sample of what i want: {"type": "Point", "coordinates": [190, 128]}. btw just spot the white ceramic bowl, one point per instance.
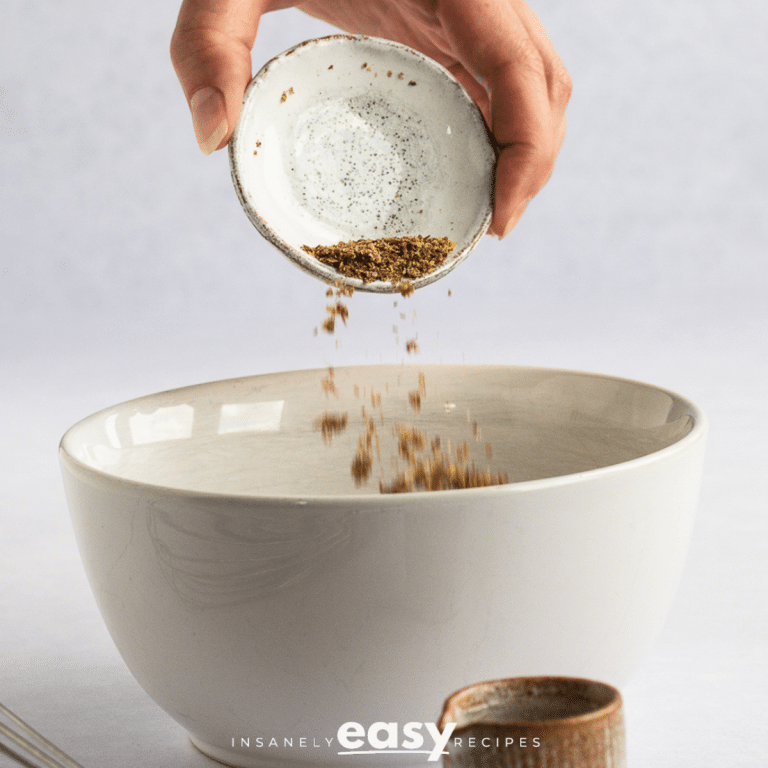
{"type": "Point", "coordinates": [349, 137]}
{"type": "Point", "coordinates": [256, 593]}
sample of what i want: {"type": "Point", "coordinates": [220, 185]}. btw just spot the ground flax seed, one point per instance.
{"type": "Point", "coordinates": [330, 424]}
{"type": "Point", "coordinates": [397, 260]}
{"type": "Point", "coordinates": [436, 470]}
{"type": "Point", "coordinates": [430, 465]}
{"type": "Point", "coordinates": [337, 308]}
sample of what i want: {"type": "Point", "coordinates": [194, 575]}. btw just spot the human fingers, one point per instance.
{"type": "Point", "coordinates": [552, 128]}
{"type": "Point", "coordinates": [503, 46]}
{"type": "Point", "coordinates": [211, 53]}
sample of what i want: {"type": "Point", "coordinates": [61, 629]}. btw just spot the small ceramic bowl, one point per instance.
{"type": "Point", "coordinates": [357, 138]}
{"type": "Point", "coordinates": [256, 592]}
{"type": "Point", "coordinates": [535, 722]}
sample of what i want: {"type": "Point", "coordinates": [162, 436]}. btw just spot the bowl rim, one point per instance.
{"type": "Point", "coordinates": [307, 263]}
{"type": "Point", "coordinates": [95, 476]}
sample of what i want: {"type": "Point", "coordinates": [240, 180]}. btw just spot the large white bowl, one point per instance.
{"type": "Point", "coordinates": [256, 593]}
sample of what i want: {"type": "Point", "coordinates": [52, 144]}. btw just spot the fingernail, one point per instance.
{"type": "Point", "coordinates": [510, 226]}
{"type": "Point", "coordinates": [209, 118]}
{"type": "Point", "coordinates": [515, 218]}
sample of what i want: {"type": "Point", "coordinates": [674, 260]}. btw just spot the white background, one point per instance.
{"type": "Point", "coordinates": [128, 267]}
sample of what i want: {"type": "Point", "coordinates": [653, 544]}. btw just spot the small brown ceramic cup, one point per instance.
{"type": "Point", "coordinates": [532, 722]}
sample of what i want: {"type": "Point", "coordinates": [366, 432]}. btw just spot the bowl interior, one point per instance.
{"type": "Point", "coordinates": [296, 434]}
{"type": "Point", "coordinates": [346, 138]}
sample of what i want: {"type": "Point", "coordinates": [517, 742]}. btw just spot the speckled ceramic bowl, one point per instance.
{"type": "Point", "coordinates": [346, 138]}
{"type": "Point", "coordinates": [258, 594]}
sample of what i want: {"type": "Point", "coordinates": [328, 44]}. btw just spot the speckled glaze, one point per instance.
{"type": "Point", "coordinates": [253, 590]}
{"type": "Point", "coordinates": [349, 137]}
{"type": "Point", "coordinates": [536, 722]}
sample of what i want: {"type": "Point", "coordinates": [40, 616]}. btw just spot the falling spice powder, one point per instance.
{"type": "Point", "coordinates": [329, 385]}
{"type": "Point", "coordinates": [337, 308]}
{"type": "Point", "coordinates": [430, 464]}
{"type": "Point", "coordinates": [330, 424]}
{"type": "Point", "coordinates": [399, 261]}
{"type": "Point", "coordinates": [437, 470]}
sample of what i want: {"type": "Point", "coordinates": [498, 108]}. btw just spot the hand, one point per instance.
{"type": "Point", "coordinates": [496, 48]}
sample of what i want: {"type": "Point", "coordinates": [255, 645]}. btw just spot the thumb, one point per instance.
{"type": "Point", "coordinates": [211, 53]}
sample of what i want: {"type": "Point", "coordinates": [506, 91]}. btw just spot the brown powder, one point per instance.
{"type": "Point", "coordinates": [362, 462]}
{"type": "Point", "coordinates": [398, 260]}
{"type": "Point", "coordinates": [338, 308]}
{"type": "Point", "coordinates": [429, 465]}
{"type": "Point", "coordinates": [415, 395]}
{"type": "Point", "coordinates": [331, 424]}
{"type": "Point", "coordinates": [328, 385]}
{"type": "Point", "coordinates": [437, 471]}
{"type": "Point", "coordinates": [409, 440]}
{"type": "Point", "coordinates": [361, 465]}
{"type": "Point", "coordinates": [432, 469]}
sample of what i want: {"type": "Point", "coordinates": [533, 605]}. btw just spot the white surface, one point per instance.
{"type": "Point", "coordinates": [128, 267]}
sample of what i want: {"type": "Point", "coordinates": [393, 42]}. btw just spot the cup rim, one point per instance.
{"type": "Point", "coordinates": [614, 705]}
